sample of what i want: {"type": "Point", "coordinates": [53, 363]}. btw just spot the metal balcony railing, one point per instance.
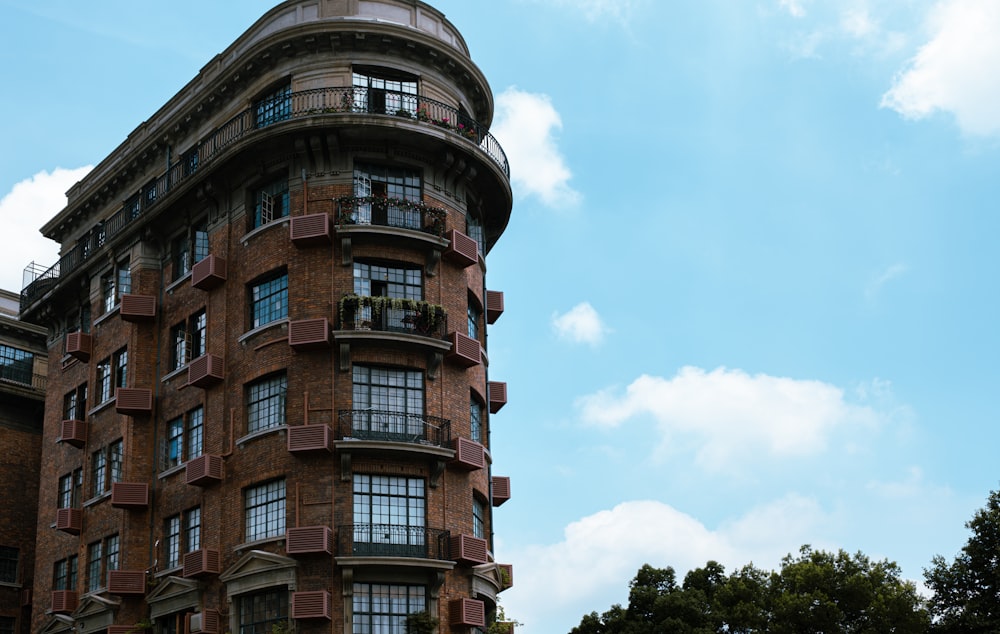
{"type": "Point", "coordinates": [393, 314]}
{"type": "Point", "coordinates": [390, 212]}
{"type": "Point", "coordinates": [390, 540]}
{"type": "Point", "coordinates": [22, 377]}
{"type": "Point", "coordinates": [370, 424]}
{"type": "Point", "coordinates": [297, 105]}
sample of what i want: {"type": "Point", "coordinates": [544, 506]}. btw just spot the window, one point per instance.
{"type": "Point", "coordinates": [101, 557]}
{"type": "Point", "coordinates": [393, 183]}
{"type": "Point", "coordinates": [115, 284]}
{"type": "Point", "coordinates": [382, 91]}
{"type": "Point", "coordinates": [270, 203]}
{"type": "Point", "coordinates": [260, 611]}
{"type": "Point", "coordinates": [475, 420]}
{"type": "Point", "coordinates": [188, 339]}
{"type": "Point", "coordinates": [185, 525]}
{"type": "Point", "coordinates": [473, 319]}
{"type": "Point", "coordinates": [105, 468]}
{"type": "Point", "coordinates": [190, 248]}
{"type": "Point", "coordinates": [389, 516]}
{"type": "Point", "coordinates": [112, 373]}
{"type": "Point", "coordinates": [381, 608]}
{"type": "Point", "coordinates": [273, 107]}
{"type": "Point", "coordinates": [8, 564]}
{"type": "Point", "coordinates": [16, 365]}
{"type": "Point", "coordinates": [7, 624]}
{"type": "Point", "coordinates": [388, 403]}
{"type": "Point", "coordinates": [474, 229]}
{"type": "Point", "coordinates": [75, 404]}
{"type": "Point", "coordinates": [478, 518]}
{"type": "Point", "coordinates": [378, 280]}
{"type": "Point", "coordinates": [184, 440]}
{"type": "Point", "coordinates": [269, 300]}
{"type": "Point", "coordinates": [266, 403]}
{"type": "Point", "coordinates": [64, 574]}
{"type": "Point", "coordinates": [265, 510]}
{"type": "Point", "coordinates": [70, 488]}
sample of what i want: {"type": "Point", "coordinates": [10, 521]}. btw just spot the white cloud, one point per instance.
{"type": "Point", "coordinates": [858, 23]}
{"type": "Point", "coordinates": [602, 10]}
{"type": "Point", "coordinates": [525, 126]}
{"type": "Point", "coordinates": [727, 415]}
{"type": "Point", "coordinates": [956, 71]}
{"type": "Point", "coordinates": [580, 324]}
{"type": "Point", "coordinates": [794, 7]}
{"type": "Point", "coordinates": [590, 568]}
{"type": "Point", "coordinates": [877, 282]}
{"type": "Point", "coordinates": [23, 210]}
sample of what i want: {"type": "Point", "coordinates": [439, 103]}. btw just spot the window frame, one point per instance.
{"type": "Point", "coordinates": [9, 562]}
{"type": "Point", "coordinates": [267, 402]}
{"type": "Point", "coordinates": [364, 621]}
{"type": "Point", "coordinates": [64, 573]}
{"type": "Point", "coordinates": [271, 202]}
{"type": "Point", "coordinates": [70, 489]}
{"type": "Point", "coordinates": [268, 299]}
{"type": "Point", "coordinates": [274, 610]}
{"type": "Point", "coordinates": [115, 283]}
{"type": "Point", "coordinates": [264, 510]}
{"type": "Point", "coordinates": [188, 339]}
{"type": "Point", "coordinates": [75, 403]}
{"type": "Point", "coordinates": [184, 438]}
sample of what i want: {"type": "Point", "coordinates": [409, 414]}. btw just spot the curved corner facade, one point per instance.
{"type": "Point", "coordinates": [269, 401]}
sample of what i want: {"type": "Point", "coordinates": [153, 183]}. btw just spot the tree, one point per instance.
{"type": "Point", "coordinates": [816, 591]}
{"type": "Point", "coordinates": [967, 591]}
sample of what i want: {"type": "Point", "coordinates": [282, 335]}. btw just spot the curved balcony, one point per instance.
{"type": "Point", "coordinates": [395, 427]}
{"type": "Point", "coordinates": [342, 101]}
{"type": "Point", "coordinates": [392, 314]}
{"type": "Point", "coordinates": [390, 540]}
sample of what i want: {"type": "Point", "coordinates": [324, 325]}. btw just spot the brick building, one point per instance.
{"type": "Point", "coordinates": [269, 404]}
{"type": "Point", "coordinates": [23, 359]}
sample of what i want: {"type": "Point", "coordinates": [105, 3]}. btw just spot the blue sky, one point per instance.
{"type": "Point", "coordinates": [746, 275]}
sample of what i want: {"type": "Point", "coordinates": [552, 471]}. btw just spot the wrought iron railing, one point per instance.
{"type": "Point", "coordinates": [371, 424]}
{"type": "Point", "coordinates": [390, 212]}
{"type": "Point", "coordinates": [391, 540]}
{"type": "Point", "coordinates": [9, 374]}
{"type": "Point", "coordinates": [308, 103]}
{"type": "Point", "coordinates": [392, 314]}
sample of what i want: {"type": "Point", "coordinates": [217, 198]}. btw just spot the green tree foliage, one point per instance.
{"type": "Point", "coordinates": [816, 591]}
{"type": "Point", "coordinates": [967, 591]}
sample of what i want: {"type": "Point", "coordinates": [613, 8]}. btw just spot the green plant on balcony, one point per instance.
{"type": "Point", "coordinates": [403, 112]}
{"type": "Point", "coordinates": [425, 319]}
{"type": "Point", "coordinates": [421, 623]}
{"type": "Point", "coordinates": [423, 113]}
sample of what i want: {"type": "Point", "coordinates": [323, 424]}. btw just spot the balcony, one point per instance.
{"type": "Point", "coordinates": [206, 371]}
{"type": "Point", "coordinates": [467, 613]}
{"type": "Point", "coordinates": [138, 308]}
{"type": "Point", "coordinates": [127, 582]}
{"type": "Point", "coordinates": [462, 250]}
{"type": "Point", "coordinates": [129, 495]}
{"type": "Point", "coordinates": [501, 490]}
{"type": "Point", "coordinates": [392, 314]}
{"type": "Point", "coordinates": [497, 394]}
{"type": "Point", "coordinates": [390, 540]}
{"type": "Point", "coordinates": [311, 605]}
{"type": "Point", "coordinates": [465, 351]}
{"type": "Point", "coordinates": [309, 540]}
{"type": "Point", "coordinates": [335, 102]}
{"type": "Point", "coordinates": [199, 563]}
{"type": "Point", "coordinates": [309, 334]}
{"type": "Point", "coordinates": [133, 401]}
{"type": "Point", "coordinates": [494, 306]}
{"type": "Point", "coordinates": [69, 520]}
{"type": "Point", "coordinates": [367, 424]}
{"type": "Point", "coordinates": [73, 432]}
{"type": "Point", "coordinates": [397, 213]}
{"type": "Point", "coordinates": [79, 345]}
{"type": "Point", "coordinates": [469, 455]}
{"type": "Point", "coordinates": [309, 438]}
{"type": "Point", "coordinates": [310, 231]}
{"type": "Point", "coordinates": [467, 549]}
{"type": "Point", "coordinates": [205, 470]}
{"type": "Point", "coordinates": [208, 273]}
{"type": "Point", "coordinates": [64, 601]}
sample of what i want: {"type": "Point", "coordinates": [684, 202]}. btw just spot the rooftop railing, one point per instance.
{"type": "Point", "coordinates": [297, 105]}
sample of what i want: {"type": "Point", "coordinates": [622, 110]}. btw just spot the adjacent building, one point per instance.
{"type": "Point", "coordinates": [23, 359]}
{"type": "Point", "coordinates": [269, 404]}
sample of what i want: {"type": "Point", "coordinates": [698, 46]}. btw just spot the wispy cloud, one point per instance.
{"type": "Point", "coordinates": [580, 324]}
{"type": "Point", "coordinates": [622, 11]}
{"type": "Point", "coordinates": [599, 553]}
{"type": "Point", "coordinates": [879, 280]}
{"type": "Point", "coordinates": [526, 126]}
{"type": "Point", "coordinates": [729, 416]}
{"type": "Point", "coordinates": [956, 70]}
{"type": "Point", "coordinates": [23, 210]}
{"type": "Point", "coordinates": [794, 7]}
